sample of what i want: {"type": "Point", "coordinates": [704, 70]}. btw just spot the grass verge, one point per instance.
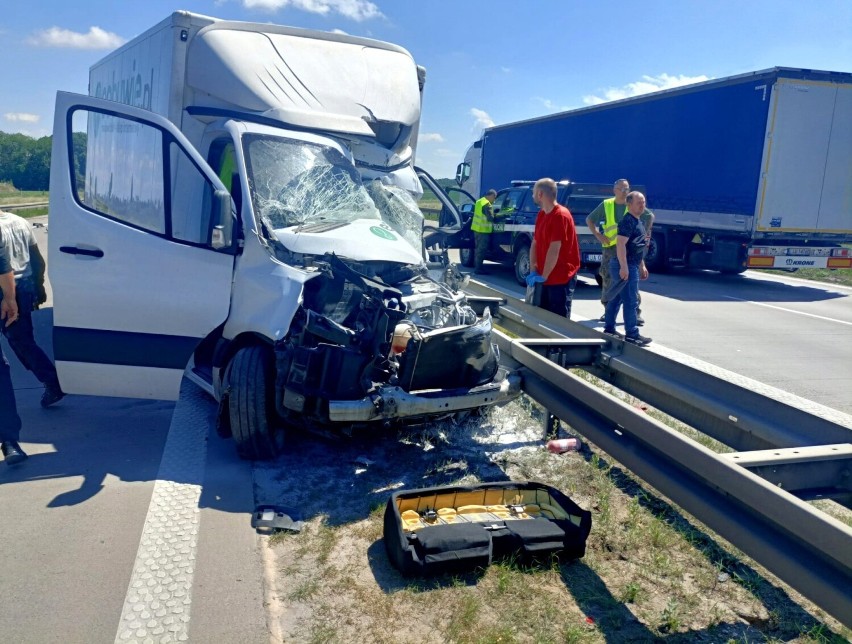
{"type": "Point", "coordinates": [29, 213]}
{"type": "Point", "coordinates": [650, 573]}
{"type": "Point", "coordinates": [842, 276]}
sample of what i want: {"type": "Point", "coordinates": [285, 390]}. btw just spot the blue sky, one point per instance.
{"type": "Point", "coordinates": [488, 61]}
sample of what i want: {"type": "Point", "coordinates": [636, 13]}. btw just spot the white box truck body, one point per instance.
{"type": "Point", "coordinates": [242, 209]}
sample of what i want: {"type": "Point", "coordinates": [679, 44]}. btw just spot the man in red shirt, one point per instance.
{"type": "Point", "coordinates": [555, 253]}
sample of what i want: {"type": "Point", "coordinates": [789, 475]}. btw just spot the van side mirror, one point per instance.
{"type": "Point", "coordinates": [462, 172]}
{"type": "Point", "coordinates": [223, 224]}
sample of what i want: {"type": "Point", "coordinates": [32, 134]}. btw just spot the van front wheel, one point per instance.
{"type": "Point", "coordinates": [251, 405]}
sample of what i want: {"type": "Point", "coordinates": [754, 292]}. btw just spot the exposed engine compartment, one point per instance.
{"type": "Point", "coordinates": [366, 325]}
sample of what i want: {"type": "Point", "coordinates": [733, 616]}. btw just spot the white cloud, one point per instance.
{"type": "Point", "coordinates": [482, 118]}
{"type": "Point", "coordinates": [647, 85]}
{"type": "Point", "coordinates": [550, 105]}
{"type": "Point", "coordinates": [21, 117]}
{"type": "Point", "coordinates": [339, 32]}
{"type": "Point", "coordinates": [96, 38]}
{"type": "Point", "coordinates": [430, 137]}
{"type": "Point", "coordinates": [446, 153]}
{"type": "Point", "coordinates": [357, 10]}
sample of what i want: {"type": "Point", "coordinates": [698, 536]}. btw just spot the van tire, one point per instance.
{"type": "Point", "coordinates": [251, 405]}
{"type": "Point", "coordinates": [522, 263]}
{"type": "Point", "coordinates": [466, 257]}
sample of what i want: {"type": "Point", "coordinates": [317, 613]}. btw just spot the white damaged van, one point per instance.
{"type": "Point", "coordinates": [238, 202]}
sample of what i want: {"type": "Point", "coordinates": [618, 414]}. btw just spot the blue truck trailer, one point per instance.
{"type": "Point", "coordinates": [748, 171]}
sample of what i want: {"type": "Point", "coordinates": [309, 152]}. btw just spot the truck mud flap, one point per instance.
{"type": "Point", "coordinates": [452, 529]}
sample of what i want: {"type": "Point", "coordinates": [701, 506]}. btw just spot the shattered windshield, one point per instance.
{"type": "Point", "coordinates": [297, 183]}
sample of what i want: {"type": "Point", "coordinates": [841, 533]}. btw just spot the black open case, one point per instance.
{"type": "Point", "coordinates": [455, 528]}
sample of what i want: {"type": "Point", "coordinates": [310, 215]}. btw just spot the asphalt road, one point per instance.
{"type": "Point", "coordinates": [82, 531]}
{"type": "Point", "coordinates": [789, 333]}
{"type": "Point", "coordinates": [94, 517]}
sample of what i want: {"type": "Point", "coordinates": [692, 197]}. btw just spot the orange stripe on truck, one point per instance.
{"type": "Point", "coordinates": [757, 262]}
{"type": "Point", "coordinates": [840, 262]}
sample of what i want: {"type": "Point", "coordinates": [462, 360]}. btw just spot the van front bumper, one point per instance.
{"type": "Point", "coordinates": [391, 402]}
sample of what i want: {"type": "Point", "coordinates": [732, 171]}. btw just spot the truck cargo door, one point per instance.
{"type": "Point", "coordinates": [140, 246]}
{"type": "Point", "coordinates": [835, 206]}
{"type": "Point", "coordinates": [808, 153]}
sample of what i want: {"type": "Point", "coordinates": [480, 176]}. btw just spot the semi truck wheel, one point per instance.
{"type": "Point", "coordinates": [466, 257]}
{"type": "Point", "coordinates": [251, 405]}
{"type": "Point", "coordinates": [522, 263]}
{"type": "Point", "coordinates": [655, 258]}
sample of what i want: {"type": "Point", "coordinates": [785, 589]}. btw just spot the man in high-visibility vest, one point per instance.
{"type": "Point", "coordinates": [481, 225]}
{"type": "Point", "coordinates": [603, 222]}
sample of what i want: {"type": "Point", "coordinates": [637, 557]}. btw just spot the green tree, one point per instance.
{"type": "Point", "coordinates": [25, 161]}
{"type": "Point", "coordinates": [79, 143]}
{"type": "Point", "coordinates": [36, 170]}
{"type": "Point", "coordinates": [14, 151]}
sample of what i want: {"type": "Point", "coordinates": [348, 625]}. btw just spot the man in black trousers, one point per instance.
{"type": "Point", "coordinates": [24, 260]}
{"type": "Point", "coordinates": [10, 422]}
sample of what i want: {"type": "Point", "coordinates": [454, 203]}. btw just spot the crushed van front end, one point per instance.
{"type": "Point", "coordinates": [376, 342]}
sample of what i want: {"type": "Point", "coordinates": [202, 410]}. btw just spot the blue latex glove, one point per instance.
{"type": "Point", "coordinates": [534, 278]}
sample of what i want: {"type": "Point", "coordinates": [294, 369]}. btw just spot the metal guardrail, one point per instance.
{"type": "Point", "coordinates": [742, 419]}
{"type": "Point", "coordinates": [751, 496]}
{"type": "Point", "coordinates": [24, 206]}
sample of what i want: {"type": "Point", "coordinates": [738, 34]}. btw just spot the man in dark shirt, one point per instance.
{"type": "Point", "coordinates": [603, 222]}
{"type": "Point", "coordinates": [555, 252]}
{"type": "Point", "coordinates": [629, 266]}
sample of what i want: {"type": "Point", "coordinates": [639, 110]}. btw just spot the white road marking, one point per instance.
{"type": "Point", "coordinates": [781, 308]}
{"type": "Point", "coordinates": [159, 596]}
